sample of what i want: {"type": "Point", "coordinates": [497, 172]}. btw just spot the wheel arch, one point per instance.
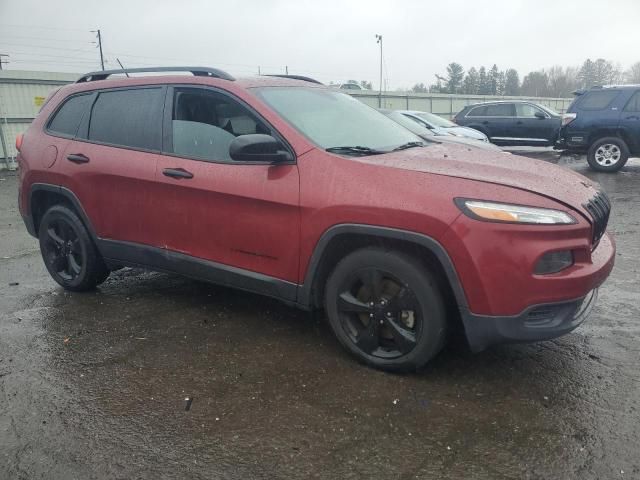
{"type": "Point", "coordinates": [43, 196]}
{"type": "Point", "coordinates": [340, 240]}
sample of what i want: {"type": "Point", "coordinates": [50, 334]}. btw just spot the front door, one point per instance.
{"type": "Point", "coordinates": [236, 214]}
{"type": "Point", "coordinates": [630, 122]}
{"type": "Point", "coordinates": [533, 125]}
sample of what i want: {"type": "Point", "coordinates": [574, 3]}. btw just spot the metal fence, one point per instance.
{"type": "Point", "coordinates": [23, 92]}
{"type": "Point", "coordinates": [21, 95]}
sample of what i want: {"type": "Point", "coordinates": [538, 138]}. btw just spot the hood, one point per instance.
{"type": "Point", "coordinates": [467, 132]}
{"type": "Point", "coordinates": [536, 176]}
{"type": "Point", "coordinates": [465, 141]}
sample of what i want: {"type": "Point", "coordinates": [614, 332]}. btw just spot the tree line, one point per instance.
{"type": "Point", "coordinates": [556, 81]}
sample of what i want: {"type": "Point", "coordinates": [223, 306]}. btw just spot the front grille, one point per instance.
{"type": "Point", "coordinates": [599, 207]}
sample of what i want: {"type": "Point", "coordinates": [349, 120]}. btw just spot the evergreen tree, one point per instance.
{"type": "Point", "coordinates": [511, 82]}
{"type": "Point", "coordinates": [455, 75]}
{"type": "Point", "coordinates": [483, 82]}
{"type": "Point", "coordinates": [471, 82]}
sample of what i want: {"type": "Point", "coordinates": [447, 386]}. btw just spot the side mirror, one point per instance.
{"type": "Point", "coordinates": [257, 148]}
{"type": "Point", "coordinates": [540, 115]}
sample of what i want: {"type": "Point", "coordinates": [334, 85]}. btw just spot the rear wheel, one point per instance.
{"type": "Point", "coordinates": [68, 251]}
{"type": "Point", "coordinates": [608, 154]}
{"type": "Point", "coordinates": [386, 309]}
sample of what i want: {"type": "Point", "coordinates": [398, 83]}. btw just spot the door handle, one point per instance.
{"type": "Point", "coordinates": [486, 122]}
{"type": "Point", "coordinates": [78, 158]}
{"type": "Point", "coordinates": [633, 117]}
{"type": "Point", "coordinates": [519, 122]}
{"type": "Point", "coordinates": [177, 173]}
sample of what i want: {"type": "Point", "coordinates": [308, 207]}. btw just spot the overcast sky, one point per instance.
{"type": "Point", "coordinates": [331, 40]}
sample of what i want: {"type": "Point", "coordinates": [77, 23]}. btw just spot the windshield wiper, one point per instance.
{"type": "Point", "coordinates": [408, 145]}
{"type": "Point", "coordinates": [356, 150]}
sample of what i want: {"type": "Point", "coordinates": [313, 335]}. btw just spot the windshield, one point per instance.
{"type": "Point", "coordinates": [333, 119]}
{"type": "Point", "coordinates": [435, 120]}
{"type": "Point", "coordinates": [407, 123]}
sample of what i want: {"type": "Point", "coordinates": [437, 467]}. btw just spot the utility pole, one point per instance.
{"type": "Point", "coordinates": [3, 61]}
{"type": "Point", "coordinates": [379, 40]}
{"type": "Point", "coordinates": [286, 70]}
{"type": "Point", "coordinates": [99, 37]}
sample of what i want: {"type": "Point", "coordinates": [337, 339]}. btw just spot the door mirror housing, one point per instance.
{"type": "Point", "coordinates": [257, 148]}
{"type": "Point", "coordinates": [540, 115]}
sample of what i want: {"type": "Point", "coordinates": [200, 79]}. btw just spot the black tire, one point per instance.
{"type": "Point", "coordinates": [68, 252]}
{"type": "Point", "coordinates": [406, 316]}
{"type": "Point", "coordinates": [608, 154]}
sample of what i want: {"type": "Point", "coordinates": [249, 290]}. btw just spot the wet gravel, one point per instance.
{"type": "Point", "coordinates": [155, 376]}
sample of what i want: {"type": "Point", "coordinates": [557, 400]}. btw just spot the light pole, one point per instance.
{"type": "Point", "coordinates": [379, 40]}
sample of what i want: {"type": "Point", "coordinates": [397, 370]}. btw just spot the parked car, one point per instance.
{"type": "Point", "coordinates": [435, 135]}
{"type": "Point", "coordinates": [512, 122]}
{"type": "Point", "coordinates": [441, 125]}
{"type": "Point", "coordinates": [350, 86]}
{"type": "Point", "coordinates": [604, 123]}
{"type": "Point", "coordinates": [297, 191]}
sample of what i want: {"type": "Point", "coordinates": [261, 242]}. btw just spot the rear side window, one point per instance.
{"type": "Point", "coordinates": [634, 103]}
{"type": "Point", "coordinates": [500, 110]}
{"type": "Point", "coordinates": [477, 112]}
{"type": "Point", "coordinates": [598, 100]}
{"type": "Point", "coordinates": [67, 119]}
{"type": "Point", "coordinates": [128, 118]}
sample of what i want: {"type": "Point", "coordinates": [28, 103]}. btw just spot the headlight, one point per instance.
{"type": "Point", "coordinates": [504, 212]}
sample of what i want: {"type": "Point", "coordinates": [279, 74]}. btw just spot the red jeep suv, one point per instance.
{"type": "Point", "coordinates": [283, 187]}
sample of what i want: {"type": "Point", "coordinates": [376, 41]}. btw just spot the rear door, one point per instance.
{"type": "Point", "coordinates": [630, 122]}
{"type": "Point", "coordinates": [112, 163]}
{"type": "Point", "coordinates": [243, 215]}
{"type": "Point", "coordinates": [534, 125]}
{"type": "Point", "coordinates": [499, 121]}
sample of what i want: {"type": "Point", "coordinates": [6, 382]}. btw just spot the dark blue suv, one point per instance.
{"type": "Point", "coordinates": [604, 122]}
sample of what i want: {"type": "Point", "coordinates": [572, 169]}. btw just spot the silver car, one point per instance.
{"type": "Point", "coordinates": [435, 135]}
{"type": "Point", "coordinates": [442, 125]}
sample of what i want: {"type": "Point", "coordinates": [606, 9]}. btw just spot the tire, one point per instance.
{"type": "Point", "coordinates": [608, 154]}
{"type": "Point", "coordinates": [69, 254]}
{"type": "Point", "coordinates": [386, 309]}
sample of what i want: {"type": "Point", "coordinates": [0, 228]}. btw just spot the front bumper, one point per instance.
{"type": "Point", "coordinates": [540, 322]}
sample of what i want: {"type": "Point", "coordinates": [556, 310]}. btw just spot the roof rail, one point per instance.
{"type": "Point", "coordinates": [196, 71]}
{"type": "Point", "coordinates": [296, 77]}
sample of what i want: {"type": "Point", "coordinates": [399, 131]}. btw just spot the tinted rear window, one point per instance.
{"type": "Point", "coordinates": [67, 118]}
{"type": "Point", "coordinates": [634, 104]}
{"type": "Point", "coordinates": [500, 110]}
{"type": "Point", "coordinates": [477, 112]}
{"type": "Point", "coordinates": [129, 118]}
{"type": "Point", "coordinates": [597, 100]}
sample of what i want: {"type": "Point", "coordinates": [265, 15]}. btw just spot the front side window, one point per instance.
{"type": "Point", "coordinates": [332, 119]}
{"type": "Point", "coordinates": [204, 123]}
{"type": "Point", "coordinates": [634, 103]}
{"type": "Point", "coordinates": [500, 110]}
{"type": "Point", "coordinates": [67, 119]}
{"type": "Point", "coordinates": [527, 110]}
{"type": "Point", "coordinates": [598, 99]}
{"type": "Point", "coordinates": [128, 118]}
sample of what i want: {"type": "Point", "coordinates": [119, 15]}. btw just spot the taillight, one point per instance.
{"type": "Point", "coordinates": [19, 141]}
{"type": "Point", "coordinates": [567, 118]}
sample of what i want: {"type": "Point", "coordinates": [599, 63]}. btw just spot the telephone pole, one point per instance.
{"type": "Point", "coordinates": [99, 37]}
{"type": "Point", "coordinates": [3, 61]}
{"type": "Point", "coordinates": [379, 40]}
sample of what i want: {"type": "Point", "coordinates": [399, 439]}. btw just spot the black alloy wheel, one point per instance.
{"type": "Point", "coordinates": [386, 308]}
{"type": "Point", "coordinates": [69, 254]}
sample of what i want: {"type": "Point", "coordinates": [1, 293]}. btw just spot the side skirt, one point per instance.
{"type": "Point", "coordinates": [158, 259]}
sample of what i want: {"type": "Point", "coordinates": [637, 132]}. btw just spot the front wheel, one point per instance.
{"type": "Point", "coordinates": [386, 308]}
{"type": "Point", "coordinates": [608, 154]}
{"type": "Point", "coordinates": [68, 252]}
